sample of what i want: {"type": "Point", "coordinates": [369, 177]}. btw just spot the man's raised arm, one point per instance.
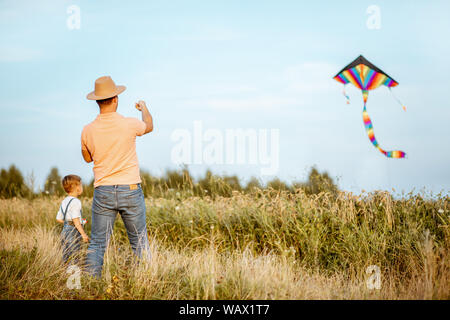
{"type": "Point", "coordinates": [146, 116]}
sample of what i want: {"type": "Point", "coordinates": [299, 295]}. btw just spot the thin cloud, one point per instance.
{"type": "Point", "coordinates": [310, 77]}
{"type": "Point", "coordinates": [18, 54]}
{"type": "Point", "coordinates": [251, 104]}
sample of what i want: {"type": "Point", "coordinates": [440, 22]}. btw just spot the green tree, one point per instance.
{"type": "Point", "coordinates": [277, 184]}
{"type": "Point", "coordinates": [318, 182]}
{"type": "Point", "coordinates": [215, 185]}
{"type": "Point", "coordinates": [53, 183]}
{"type": "Point", "coordinates": [179, 180]}
{"type": "Point", "coordinates": [153, 186]}
{"type": "Point", "coordinates": [88, 189]}
{"type": "Point", "coordinates": [12, 183]}
{"type": "Point", "coordinates": [252, 184]}
{"type": "Point", "coordinates": [233, 182]}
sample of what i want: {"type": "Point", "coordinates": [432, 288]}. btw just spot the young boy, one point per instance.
{"type": "Point", "coordinates": [70, 215]}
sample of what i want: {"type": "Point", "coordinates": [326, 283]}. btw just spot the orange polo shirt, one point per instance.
{"type": "Point", "coordinates": [111, 141]}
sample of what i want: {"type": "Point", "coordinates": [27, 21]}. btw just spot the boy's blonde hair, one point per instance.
{"type": "Point", "coordinates": [70, 182]}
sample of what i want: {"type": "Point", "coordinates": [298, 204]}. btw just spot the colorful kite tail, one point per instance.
{"type": "Point", "coordinates": [369, 129]}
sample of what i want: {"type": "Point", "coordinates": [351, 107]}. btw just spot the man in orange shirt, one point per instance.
{"type": "Point", "coordinates": [110, 142]}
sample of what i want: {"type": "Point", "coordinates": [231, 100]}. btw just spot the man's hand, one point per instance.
{"type": "Point", "coordinates": [140, 104]}
{"type": "Point", "coordinates": [146, 116]}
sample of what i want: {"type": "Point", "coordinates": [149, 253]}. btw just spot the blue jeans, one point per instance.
{"type": "Point", "coordinates": [71, 243]}
{"type": "Point", "coordinates": [108, 200]}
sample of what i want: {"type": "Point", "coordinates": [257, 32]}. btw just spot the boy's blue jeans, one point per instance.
{"type": "Point", "coordinates": [71, 243]}
{"type": "Point", "coordinates": [108, 200]}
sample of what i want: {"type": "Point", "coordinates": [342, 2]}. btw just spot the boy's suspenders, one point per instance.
{"type": "Point", "coordinates": [65, 212]}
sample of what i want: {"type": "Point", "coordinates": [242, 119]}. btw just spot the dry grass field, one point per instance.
{"type": "Point", "coordinates": [266, 244]}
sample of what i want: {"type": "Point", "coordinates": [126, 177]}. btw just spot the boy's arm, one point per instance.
{"type": "Point", "coordinates": [77, 224]}
{"type": "Point", "coordinates": [59, 220]}
{"type": "Point", "coordinates": [146, 116]}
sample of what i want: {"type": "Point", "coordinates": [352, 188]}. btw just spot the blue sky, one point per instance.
{"type": "Point", "coordinates": [232, 64]}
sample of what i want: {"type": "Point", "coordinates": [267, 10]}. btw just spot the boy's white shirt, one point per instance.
{"type": "Point", "coordinates": [74, 210]}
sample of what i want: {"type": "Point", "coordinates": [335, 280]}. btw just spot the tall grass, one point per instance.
{"type": "Point", "coordinates": [260, 244]}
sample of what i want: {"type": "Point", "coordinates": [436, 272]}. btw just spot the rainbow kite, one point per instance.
{"type": "Point", "coordinates": [365, 76]}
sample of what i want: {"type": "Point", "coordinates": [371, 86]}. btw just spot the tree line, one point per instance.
{"type": "Point", "coordinates": [13, 184]}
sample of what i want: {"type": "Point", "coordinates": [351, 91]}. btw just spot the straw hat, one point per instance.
{"type": "Point", "coordinates": [105, 88]}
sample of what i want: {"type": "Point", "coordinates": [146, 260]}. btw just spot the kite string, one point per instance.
{"type": "Point", "coordinates": [399, 102]}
